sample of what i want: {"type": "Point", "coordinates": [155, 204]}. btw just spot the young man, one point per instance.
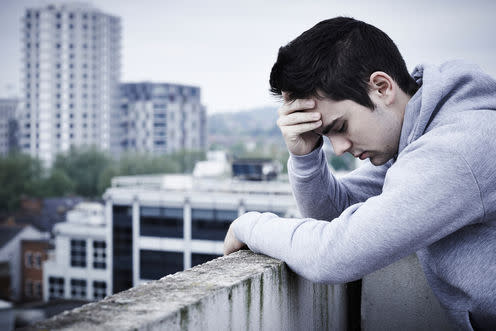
{"type": "Point", "coordinates": [430, 185]}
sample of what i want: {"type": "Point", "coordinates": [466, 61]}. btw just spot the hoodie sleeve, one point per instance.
{"type": "Point", "coordinates": [320, 195]}
{"type": "Point", "coordinates": [428, 193]}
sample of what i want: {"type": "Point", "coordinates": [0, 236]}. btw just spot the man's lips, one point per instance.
{"type": "Point", "coordinates": [364, 155]}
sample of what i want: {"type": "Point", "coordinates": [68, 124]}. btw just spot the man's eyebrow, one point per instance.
{"type": "Point", "coordinates": [329, 126]}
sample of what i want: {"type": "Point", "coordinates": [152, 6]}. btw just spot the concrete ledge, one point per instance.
{"type": "Point", "coordinates": [242, 291]}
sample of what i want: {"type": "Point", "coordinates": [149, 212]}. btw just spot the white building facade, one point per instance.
{"type": "Point", "coordinates": [160, 118]}
{"type": "Point", "coordinates": [163, 224]}
{"type": "Point", "coordinates": [71, 68]}
{"type": "Point", "coordinates": [8, 125]}
{"type": "Point", "coordinates": [78, 267]}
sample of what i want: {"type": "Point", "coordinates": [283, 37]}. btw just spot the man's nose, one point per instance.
{"type": "Point", "coordinates": [340, 144]}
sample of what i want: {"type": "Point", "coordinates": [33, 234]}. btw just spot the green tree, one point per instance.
{"type": "Point", "coordinates": [83, 166]}
{"type": "Point", "coordinates": [140, 164]}
{"type": "Point", "coordinates": [186, 159]}
{"type": "Point", "coordinates": [105, 178]}
{"type": "Point", "coordinates": [58, 184]}
{"type": "Point", "coordinates": [19, 175]}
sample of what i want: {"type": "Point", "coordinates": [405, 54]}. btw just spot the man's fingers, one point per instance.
{"type": "Point", "coordinates": [297, 118]}
{"type": "Point", "coordinates": [296, 130]}
{"type": "Point", "coordinates": [296, 105]}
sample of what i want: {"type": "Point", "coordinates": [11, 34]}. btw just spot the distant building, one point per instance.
{"type": "Point", "coordinates": [33, 253]}
{"type": "Point", "coordinates": [256, 169]}
{"type": "Point", "coordinates": [10, 254]}
{"type": "Point", "coordinates": [9, 128]}
{"type": "Point", "coordinates": [78, 267]}
{"type": "Point", "coordinates": [163, 224]}
{"type": "Point", "coordinates": [71, 67]}
{"type": "Point", "coordinates": [161, 118]}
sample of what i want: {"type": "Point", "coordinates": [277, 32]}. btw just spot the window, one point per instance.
{"type": "Point", "coordinates": [211, 224]}
{"type": "Point", "coordinates": [28, 259]}
{"type": "Point", "coordinates": [161, 222]}
{"type": "Point", "coordinates": [37, 260]}
{"type": "Point", "coordinates": [37, 289]}
{"type": "Point", "coordinates": [78, 253]}
{"type": "Point", "coordinates": [157, 264]}
{"type": "Point", "coordinates": [55, 287]}
{"type": "Point", "coordinates": [99, 290]}
{"type": "Point", "coordinates": [197, 258]}
{"type": "Point", "coordinates": [122, 246]}
{"type": "Point", "coordinates": [28, 288]}
{"type": "Point", "coordinates": [99, 255]}
{"type": "Point", "coordinates": [78, 288]}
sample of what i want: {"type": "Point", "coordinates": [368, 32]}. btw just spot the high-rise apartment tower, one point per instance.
{"type": "Point", "coordinates": [71, 69]}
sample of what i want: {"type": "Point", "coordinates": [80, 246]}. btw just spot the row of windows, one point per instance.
{"type": "Point", "coordinates": [206, 224]}
{"type": "Point", "coordinates": [59, 15]}
{"type": "Point", "coordinates": [71, 26]}
{"type": "Point", "coordinates": [59, 45]}
{"type": "Point", "coordinates": [78, 254]}
{"type": "Point", "coordinates": [59, 76]}
{"type": "Point", "coordinates": [58, 136]}
{"type": "Point", "coordinates": [56, 288]}
{"type": "Point", "coordinates": [72, 56]}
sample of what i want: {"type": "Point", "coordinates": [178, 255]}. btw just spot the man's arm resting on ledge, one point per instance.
{"type": "Point", "coordinates": [411, 213]}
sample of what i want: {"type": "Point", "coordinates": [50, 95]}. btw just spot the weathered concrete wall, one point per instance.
{"type": "Point", "coordinates": [242, 291]}
{"type": "Point", "coordinates": [398, 297]}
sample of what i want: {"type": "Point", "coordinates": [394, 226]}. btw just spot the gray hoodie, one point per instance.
{"type": "Point", "coordinates": [436, 198]}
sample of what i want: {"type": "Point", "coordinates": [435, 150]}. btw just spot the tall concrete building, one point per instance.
{"type": "Point", "coordinates": [8, 125]}
{"type": "Point", "coordinates": [71, 69]}
{"type": "Point", "coordinates": [160, 118]}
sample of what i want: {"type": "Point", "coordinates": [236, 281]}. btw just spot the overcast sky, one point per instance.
{"type": "Point", "coordinates": [228, 47]}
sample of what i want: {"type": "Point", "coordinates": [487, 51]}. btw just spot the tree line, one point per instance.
{"type": "Point", "coordinates": [82, 171]}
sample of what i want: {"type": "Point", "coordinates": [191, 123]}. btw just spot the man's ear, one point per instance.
{"type": "Point", "coordinates": [382, 88]}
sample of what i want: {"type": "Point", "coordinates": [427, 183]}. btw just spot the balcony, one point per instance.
{"type": "Point", "coordinates": [246, 291]}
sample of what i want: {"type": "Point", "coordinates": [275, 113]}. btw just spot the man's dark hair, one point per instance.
{"type": "Point", "coordinates": [337, 56]}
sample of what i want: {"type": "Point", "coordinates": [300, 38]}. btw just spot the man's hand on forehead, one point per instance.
{"type": "Point", "coordinates": [297, 120]}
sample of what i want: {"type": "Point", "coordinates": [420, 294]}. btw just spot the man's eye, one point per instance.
{"type": "Point", "coordinates": [342, 128]}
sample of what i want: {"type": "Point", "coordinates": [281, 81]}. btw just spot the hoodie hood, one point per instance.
{"type": "Point", "coordinates": [455, 86]}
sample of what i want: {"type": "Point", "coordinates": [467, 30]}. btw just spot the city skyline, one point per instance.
{"type": "Point", "coordinates": [227, 49]}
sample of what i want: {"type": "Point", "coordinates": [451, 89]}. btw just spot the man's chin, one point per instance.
{"type": "Point", "coordinates": [378, 160]}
